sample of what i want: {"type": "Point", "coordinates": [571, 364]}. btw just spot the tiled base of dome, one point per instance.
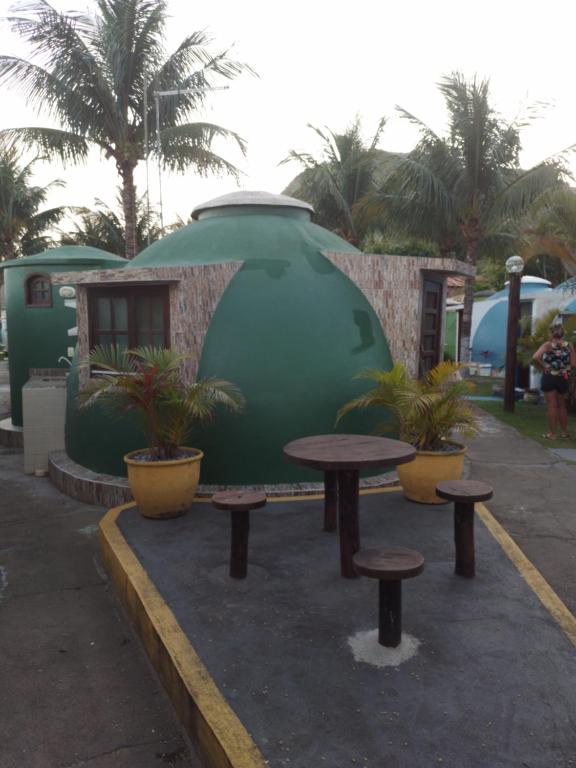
{"type": "Point", "coordinates": [11, 436]}
{"type": "Point", "coordinates": [90, 487]}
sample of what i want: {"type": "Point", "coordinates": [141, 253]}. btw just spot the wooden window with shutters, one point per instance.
{"type": "Point", "coordinates": [129, 316]}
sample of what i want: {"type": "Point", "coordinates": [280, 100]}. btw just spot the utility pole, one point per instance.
{"type": "Point", "coordinates": [157, 96]}
{"type": "Point", "coordinates": [146, 153]}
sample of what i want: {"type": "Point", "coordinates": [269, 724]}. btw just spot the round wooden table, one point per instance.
{"type": "Point", "coordinates": [341, 457]}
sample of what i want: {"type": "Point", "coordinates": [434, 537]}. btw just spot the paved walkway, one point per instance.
{"type": "Point", "coordinates": [76, 689]}
{"type": "Point", "coordinates": [534, 499]}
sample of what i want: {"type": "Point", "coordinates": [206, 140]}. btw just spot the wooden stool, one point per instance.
{"type": "Point", "coordinates": [464, 494]}
{"type": "Point", "coordinates": [390, 567]}
{"type": "Point", "coordinates": [239, 504]}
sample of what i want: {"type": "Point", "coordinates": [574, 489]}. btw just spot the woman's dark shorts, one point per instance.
{"type": "Point", "coordinates": [551, 383]}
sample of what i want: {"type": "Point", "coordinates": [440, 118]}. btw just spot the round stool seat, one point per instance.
{"type": "Point", "coordinates": [464, 490]}
{"type": "Point", "coordinates": [388, 564]}
{"type": "Point", "coordinates": [240, 501]}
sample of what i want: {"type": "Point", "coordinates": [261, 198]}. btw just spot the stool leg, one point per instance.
{"type": "Point", "coordinates": [239, 544]}
{"type": "Point", "coordinates": [330, 500]}
{"type": "Point", "coordinates": [348, 520]}
{"type": "Point", "coordinates": [390, 614]}
{"type": "Point", "coordinates": [464, 539]}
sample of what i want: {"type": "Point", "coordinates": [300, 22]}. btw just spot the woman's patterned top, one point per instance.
{"type": "Point", "coordinates": [557, 359]}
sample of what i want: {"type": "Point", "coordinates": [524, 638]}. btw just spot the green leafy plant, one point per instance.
{"type": "Point", "coordinates": [426, 412]}
{"type": "Point", "coordinates": [148, 381]}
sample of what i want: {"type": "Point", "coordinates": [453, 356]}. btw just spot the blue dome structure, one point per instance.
{"type": "Point", "coordinates": [490, 317]}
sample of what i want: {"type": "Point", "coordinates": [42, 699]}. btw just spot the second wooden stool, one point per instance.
{"type": "Point", "coordinates": [390, 567]}
{"type": "Point", "coordinates": [464, 494]}
{"type": "Point", "coordinates": [239, 504]}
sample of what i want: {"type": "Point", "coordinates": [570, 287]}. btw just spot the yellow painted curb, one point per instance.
{"type": "Point", "coordinates": [530, 574]}
{"type": "Point", "coordinates": [215, 730]}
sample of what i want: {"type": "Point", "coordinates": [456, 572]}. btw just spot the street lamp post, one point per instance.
{"type": "Point", "coordinates": [514, 267]}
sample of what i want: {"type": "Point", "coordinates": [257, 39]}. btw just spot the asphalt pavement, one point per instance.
{"type": "Point", "coordinates": [534, 499]}
{"type": "Point", "coordinates": [76, 689]}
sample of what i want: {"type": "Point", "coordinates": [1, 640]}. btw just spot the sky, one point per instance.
{"type": "Point", "coordinates": [324, 63]}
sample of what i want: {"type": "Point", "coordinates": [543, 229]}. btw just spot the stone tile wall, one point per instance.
{"type": "Point", "coordinates": [194, 295]}
{"type": "Point", "coordinates": [393, 286]}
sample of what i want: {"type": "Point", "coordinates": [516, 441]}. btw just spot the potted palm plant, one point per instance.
{"type": "Point", "coordinates": [164, 476]}
{"type": "Point", "coordinates": [426, 413]}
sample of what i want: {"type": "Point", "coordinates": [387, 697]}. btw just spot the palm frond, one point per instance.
{"type": "Point", "coordinates": [77, 91]}
{"type": "Point", "coordinates": [343, 174]}
{"type": "Point", "coordinates": [426, 132]}
{"type": "Point", "coordinates": [148, 381]}
{"type": "Point", "coordinates": [50, 142]}
{"type": "Point", "coordinates": [190, 144]}
{"type": "Point", "coordinates": [91, 74]}
{"type": "Point", "coordinates": [426, 411]}
{"type": "Point", "coordinates": [110, 358]}
{"type": "Point", "coordinates": [165, 359]}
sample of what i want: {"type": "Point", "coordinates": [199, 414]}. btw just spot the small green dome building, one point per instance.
{"type": "Point", "coordinates": [253, 297]}
{"type": "Point", "coordinates": [37, 317]}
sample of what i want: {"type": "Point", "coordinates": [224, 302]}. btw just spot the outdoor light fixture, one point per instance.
{"type": "Point", "coordinates": [67, 292]}
{"type": "Point", "coordinates": [514, 267]}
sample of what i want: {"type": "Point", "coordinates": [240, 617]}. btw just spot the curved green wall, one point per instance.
{"type": "Point", "coordinates": [94, 438]}
{"type": "Point", "coordinates": [38, 336]}
{"type": "Point", "coordinates": [290, 330]}
{"type": "Point", "coordinates": [292, 339]}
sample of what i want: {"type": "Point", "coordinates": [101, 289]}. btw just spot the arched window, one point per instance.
{"type": "Point", "coordinates": [38, 291]}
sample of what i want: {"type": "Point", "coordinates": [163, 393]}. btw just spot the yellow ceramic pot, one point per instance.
{"type": "Point", "coordinates": [164, 489]}
{"type": "Point", "coordinates": [419, 478]}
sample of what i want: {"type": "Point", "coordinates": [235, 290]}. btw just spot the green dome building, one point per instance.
{"type": "Point", "coordinates": [38, 318]}
{"type": "Point", "coordinates": [252, 296]}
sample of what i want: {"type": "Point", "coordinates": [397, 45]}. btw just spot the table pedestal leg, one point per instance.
{"type": "Point", "coordinates": [348, 480]}
{"type": "Point", "coordinates": [239, 544]}
{"type": "Point", "coordinates": [464, 539]}
{"type": "Point", "coordinates": [330, 500]}
{"type": "Point", "coordinates": [390, 614]}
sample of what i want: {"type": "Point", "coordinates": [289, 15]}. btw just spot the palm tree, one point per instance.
{"type": "Point", "coordinates": [23, 227]}
{"type": "Point", "coordinates": [103, 228]}
{"type": "Point", "coordinates": [550, 227]}
{"type": "Point", "coordinates": [425, 412]}
{"type": "Point", "coordinates": [464, 191]}
{"type": "Point", "coordinates": [345, 173]}
{"type": "Point", "coordinates": [97, 76]}
{"type": "Point", "coordinates": [148, 381]}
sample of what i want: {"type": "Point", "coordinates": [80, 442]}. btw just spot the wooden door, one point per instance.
{"type": "Point", "coordinates": [431, 325]}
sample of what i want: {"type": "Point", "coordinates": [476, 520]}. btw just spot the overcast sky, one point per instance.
{"type": "Point", "coordinates": [324, 62]}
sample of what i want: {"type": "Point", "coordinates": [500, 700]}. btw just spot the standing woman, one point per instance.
{"type": "Point", "coordinates": [556, 358]}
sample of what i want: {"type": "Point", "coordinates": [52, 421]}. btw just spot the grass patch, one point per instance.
{"type": "Point", "coordinates": [483, 385]}
{"type": "Point", "coordinates": [530, 420]}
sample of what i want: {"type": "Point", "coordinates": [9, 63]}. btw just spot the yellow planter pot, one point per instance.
{"type": "Point", "coordinates": [164, 489]}
{"type": "Point", "coordinates": [419, 478]}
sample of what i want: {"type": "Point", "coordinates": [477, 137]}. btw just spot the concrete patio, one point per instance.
{"type": "Point", "coordinates": [491, 681]}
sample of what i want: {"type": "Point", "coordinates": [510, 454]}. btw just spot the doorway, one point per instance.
{"type": "Point", "coordinates": [431, 328]}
